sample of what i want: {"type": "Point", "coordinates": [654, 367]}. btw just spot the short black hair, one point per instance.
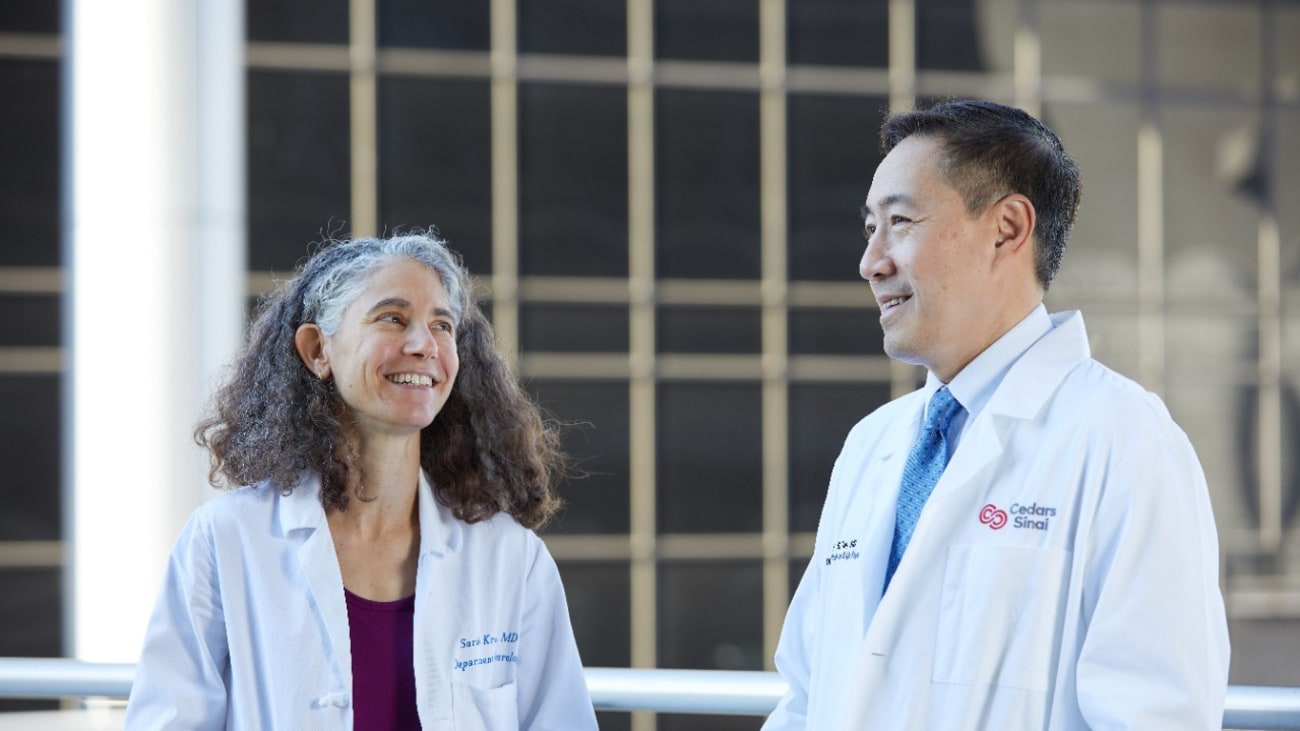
{"type": "Point", "coordinates": [989, 151]}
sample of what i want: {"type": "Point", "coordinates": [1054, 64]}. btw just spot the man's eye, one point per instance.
{"type": "Point", "coordinates": [868, 231]}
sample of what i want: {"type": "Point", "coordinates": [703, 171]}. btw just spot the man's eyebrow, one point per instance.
{"type": "Point", "coordinates": [886, 202]}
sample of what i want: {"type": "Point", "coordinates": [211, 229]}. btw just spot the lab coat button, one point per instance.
{"type": "Point", "coordinates": [337, 700]}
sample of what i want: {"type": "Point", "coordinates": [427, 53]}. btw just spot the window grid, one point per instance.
{"type": "Point", "coordinates": [776, 547]}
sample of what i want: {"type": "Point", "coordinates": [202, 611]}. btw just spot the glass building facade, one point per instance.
{"type": "Point", "coordinates": [660, 199]}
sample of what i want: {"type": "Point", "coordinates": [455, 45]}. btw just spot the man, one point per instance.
{"type": "Point", "coordinates": [1041, 553]}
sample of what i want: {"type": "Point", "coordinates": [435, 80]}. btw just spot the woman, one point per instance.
{"type": "Point", "coordinates": [380, 570]}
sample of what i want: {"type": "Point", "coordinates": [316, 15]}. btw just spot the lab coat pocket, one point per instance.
{"type": "Point", "coordinates": [999, 616]}
{"type": "Point", "coordinates": [484, 709]}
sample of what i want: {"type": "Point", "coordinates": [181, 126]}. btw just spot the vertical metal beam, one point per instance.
{"type": "Point", "coordinates": [1269, 429]}
{"type": "Point", "coordinates": [776, 406]}
{"type": "Point", "coordinates": [364, 117]}
{"type": "Point", "coordinates": [642, 390]}
{"type": "Point", "coordinates": [505, 177]}
{"type": "Point", "coordinates": [1027, 70]}
{"type": "Point", "coordinates": [902, 96]}
{"type": "Point", "coordinates": [1151, 215]}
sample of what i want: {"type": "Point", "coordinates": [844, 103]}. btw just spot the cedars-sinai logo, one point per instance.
{"type": "Point", "coordinates": [993, 516]}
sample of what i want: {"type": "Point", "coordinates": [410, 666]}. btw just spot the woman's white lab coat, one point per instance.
{"type": "Point", "coordinates": [1063, 574]}
{"type": "Point", "coordinates": [251, 628]}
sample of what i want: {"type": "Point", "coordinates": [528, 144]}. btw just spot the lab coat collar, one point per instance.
{"type": "Point", "coordinates": [440, 532]}
{"type": "Point", "coordinates": [1033, 378]}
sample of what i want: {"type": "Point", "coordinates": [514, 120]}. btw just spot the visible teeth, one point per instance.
{"type": "Point", "coordinates": [893, 302]}
{"type": "Point", "coordinates": [412, 378]}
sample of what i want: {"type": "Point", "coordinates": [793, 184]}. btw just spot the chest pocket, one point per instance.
{"type": "Point", "coordinates": [999, 616]}
{"type": "Point", "coordinates": [484, 709]}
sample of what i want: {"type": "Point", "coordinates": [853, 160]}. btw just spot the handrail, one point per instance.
{"type": "Point", "coordinates": [715, 692]}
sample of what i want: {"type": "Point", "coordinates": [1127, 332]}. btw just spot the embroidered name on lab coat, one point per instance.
{"type": "Point", "coordinates": [843, 551]}
{"type": "Point", "coordinates": [486, 649]}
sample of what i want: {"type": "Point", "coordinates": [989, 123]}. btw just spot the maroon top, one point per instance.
{"type": "Point", "coordinates": [383, 667]}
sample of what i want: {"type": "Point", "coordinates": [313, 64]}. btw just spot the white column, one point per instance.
{"type": "Point", "coordinates": [154, 221]}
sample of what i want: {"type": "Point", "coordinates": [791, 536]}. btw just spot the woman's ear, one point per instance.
{"type": "Point", "coordinates": [310, 342]}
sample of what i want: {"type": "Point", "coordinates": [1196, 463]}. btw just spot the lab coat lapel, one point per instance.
{"type": "Point", "coordinates": [440, 536]}
{"type": "Point", "coordinates": [301, 510]}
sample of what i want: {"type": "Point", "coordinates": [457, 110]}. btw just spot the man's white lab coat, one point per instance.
{"type": "Point", "coordinates": [251, 628]}
{"type": "Point", "coordinates": [1063, 574]}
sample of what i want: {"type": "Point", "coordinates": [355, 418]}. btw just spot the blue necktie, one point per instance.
{"type": "Point", "coordinates": [924, 466]}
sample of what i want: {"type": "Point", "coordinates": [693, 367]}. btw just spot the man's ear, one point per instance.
{"type": "Point", "coordinates": [310, 342]}
{"type": "Point", "coordinates": [1015, 217]}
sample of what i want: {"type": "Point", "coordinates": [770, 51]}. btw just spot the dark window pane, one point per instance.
{"type": "Point", "coordinates": [299, 175]}
{"type": "Point", "coordinates": [573, 180]}
{"type": "Point", "coordinates": [833, 155]}
{"type": "Point", "coordinates": [29, 459]}
{"type": "Point", "coordinates": [821, 415]}
{"type": "Point", "coordinates": [837, 331]}
{"type": "Point", "coordinates": [614, 721]}
{"type": "Point", "coordinates": [30, 612]}
{"type": "Point", "coordinates": [595, 415]}
{"type": "Point", "coordinates": [947, 36]}
{"type": "Point", "coordinates": [435, 162]}
{"type": "Point", "coordinates": [709, 330]}
{"type": "Point", "coordinates": [710, 468]}
{"type": "Point", "coordinates": [30, 622]}
{"type": "Point", "coordinates": [298, 21]}
{"type": "Point", "coordinates": [29, 200]}
{"type": "Point", "coordinates": [707, 183]}
{"type": "Point", "coordinates": [447, 24]}
{"type": "Point", "coordinates": [573, 27]}
{"type": "Point", "coordinates": [30, 319]}
{"type": "Point", "coordinates": [600, 608]}
{"type": "Point", "coordinates": [838, 32]}
{"type": "Point", "coordinates": [30, 16]}
{"type": "Point", "coordinates": [711, 615]}
{"type": "Point", "coordinates": [697, 722]}
{"type": "Point", "coordinates": [707, 30]}
{"type": "Point", "coordinates": [569, 328]}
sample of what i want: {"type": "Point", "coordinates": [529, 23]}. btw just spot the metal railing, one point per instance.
{"type": "Point", "coordinates": [712, 692]}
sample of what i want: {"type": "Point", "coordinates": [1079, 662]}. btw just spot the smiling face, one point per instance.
{"type": "Point", "coordinates": [393, 358]}
{"type": "Point", "coordinates": [935, 269]}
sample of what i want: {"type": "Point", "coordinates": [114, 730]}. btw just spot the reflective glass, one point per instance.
{"type": "Point", "coordinates": [30, 460]}
{"type": "Point", "coordinates": [1101, 259]}
{"type": "Point", "coordinates": [299, 165]}
{"type": "Point", "coordinates": [821, 415]}
{"type": "Point", "coordinates": [297, 21]}
{"type": "Point", "coordinates": [833, 153]}
{"type": "Point", "coordinates": [444, 24]}
{"type": "Point", "coordinates": [838, 33]}
{"type": "Point", "coordinates": [594, 419]}
{"type": "Point", "coordinates": [1073, 29]}
{"type": "Point", "coordinates": [572, 180]}
{"type": "Point", "coordinates": [435, 162]}
{"type": "Point", "coordinates": [709, 457]}
{"type": "Point", "coordinates": [707, 184]}
{"type": "Point", "coordinates": [836, 331]}
{"type": "Point", "coordinates": [30, 16]}
{"type": "Point", "coordinates": [1209, 46]}
{"type": "Point", "coordinates": [573, 328]}
{"type": "Point", "coordinates": [698, 329]}
{"type": "Point", "coordinates": [31, 320]}
{"type": "Point", "coordinates": [573, 27]}
{"type": "Point", "coordinates": [1212, 157]}
{"type": "Point", "coordinates": [600, 609]}
{"type": "Point", "coordinates": [707, 30]}
{"type": "Point", "coordinates": [710, 615]}
{"type": "Point", "coordinates": [30, 153]}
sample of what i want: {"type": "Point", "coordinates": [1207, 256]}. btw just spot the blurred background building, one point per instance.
{"type": "Point", "coordinates": [660, 198]}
